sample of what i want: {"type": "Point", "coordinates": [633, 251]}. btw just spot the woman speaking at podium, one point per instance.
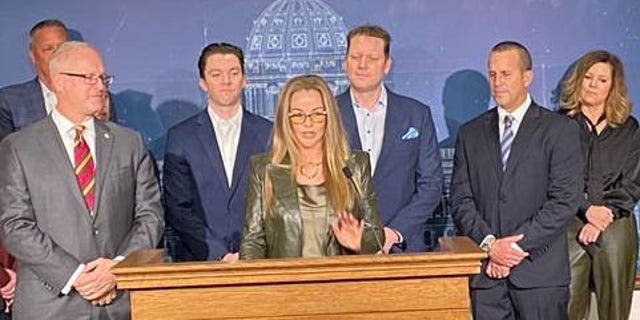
{"type": "Point", "coordinates": [310, 195]}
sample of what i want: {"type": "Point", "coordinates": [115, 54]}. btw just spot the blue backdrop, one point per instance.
{"type": "Point", "coordinates": [439, 48]}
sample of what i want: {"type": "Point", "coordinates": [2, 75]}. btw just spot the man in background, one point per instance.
{"type": "Point", "coordinates": [398, 133]}
{"type": "Point", "coordinates": [206, 159]}
{"type": "Point", "coordinates": [25, 103]}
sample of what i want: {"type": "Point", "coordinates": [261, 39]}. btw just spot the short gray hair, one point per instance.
{"type": "Point", "coordinates": [59, 55]}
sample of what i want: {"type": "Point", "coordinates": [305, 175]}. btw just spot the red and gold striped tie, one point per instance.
{"type": "Point", "coordinates": [84, 168]}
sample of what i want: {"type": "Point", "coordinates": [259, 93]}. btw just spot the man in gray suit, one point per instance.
{"type": "Point", "coordinates": [66, 217]}
{"type": "Point", "coordinates": [25, 103]}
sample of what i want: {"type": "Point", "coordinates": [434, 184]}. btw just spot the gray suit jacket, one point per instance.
{"type": "Point", "coordinates": [46, 226]}
{"type": "Point", "coordinates": [20, 105]}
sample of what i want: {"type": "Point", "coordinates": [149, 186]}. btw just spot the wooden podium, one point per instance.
{"type": "Point", "coordinates": [406, 286]}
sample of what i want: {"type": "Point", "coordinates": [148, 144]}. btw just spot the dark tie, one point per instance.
{"type": "Point", "coordinates": [507, 140]}
{"type": "Point", "coordinates": [84, 168]}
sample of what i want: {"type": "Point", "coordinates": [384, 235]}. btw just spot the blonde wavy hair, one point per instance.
{"type": "Point", "coordinates": [335, 148]}
{"type": "Point", "coordinates": [617, 107]}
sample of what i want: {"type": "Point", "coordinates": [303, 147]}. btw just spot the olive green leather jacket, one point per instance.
{"type": "Point", "coordinates": [279, 235]}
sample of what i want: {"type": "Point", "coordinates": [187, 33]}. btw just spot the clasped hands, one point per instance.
{"type": "Point", "coordinates": [96, 283]}
{"type": "Point", "coordinates": [504, 255]}
{"type": "Point", "coordinates": [8, 290]}
{"type": "Point", "coordinates": [598, 219]}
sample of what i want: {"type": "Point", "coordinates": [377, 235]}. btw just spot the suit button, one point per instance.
{"type": "Point", "coordinates": [503, 197]}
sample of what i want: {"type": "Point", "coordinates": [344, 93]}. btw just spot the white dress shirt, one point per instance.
{"type": "Point", "coordinates": [518, 115]}
{"type": "Point", "coordinates": [227, 135]}
{"type": "Point", "coordinates": [371, 125]}
{"type": "Point", "coordinates": [67, 133]}
{"type": "Point", "coordinates": [50, 99]}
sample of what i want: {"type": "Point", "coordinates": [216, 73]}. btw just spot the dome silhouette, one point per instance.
{"type": "Point", "coordinates": [289, 38]}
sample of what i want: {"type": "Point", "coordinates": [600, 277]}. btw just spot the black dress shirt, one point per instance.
{"type": "Point", "coordinates": [612, 171]}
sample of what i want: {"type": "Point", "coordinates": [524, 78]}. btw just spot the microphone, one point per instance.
{"type": "Point", "coordinates": [360, 201]}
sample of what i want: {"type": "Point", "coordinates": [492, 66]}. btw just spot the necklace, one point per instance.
{"type": "Point", "coordinates": [309, 169]}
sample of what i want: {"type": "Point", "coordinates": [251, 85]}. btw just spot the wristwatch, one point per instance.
{"type": "Point", "coordinates": [486, 244]}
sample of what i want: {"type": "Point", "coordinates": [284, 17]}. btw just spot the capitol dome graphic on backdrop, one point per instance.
{"type": "Point", "coordinates": [289, 38]}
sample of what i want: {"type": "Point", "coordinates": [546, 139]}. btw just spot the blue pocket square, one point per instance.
{"type": "Point", "coordinates": [411, 133]}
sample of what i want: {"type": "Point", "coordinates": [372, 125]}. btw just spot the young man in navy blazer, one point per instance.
{"type": "Point", "coordinates": [517, 178]}
{"type": "Point", "coordinates": [205, 165]}
{"type": "Point", "coordinates": [25, 103]}
{"type": "Point", "coordinates": [398, 133]}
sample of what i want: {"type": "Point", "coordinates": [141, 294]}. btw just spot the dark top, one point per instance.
{"type": "Point", "coordinates": [612, 166]}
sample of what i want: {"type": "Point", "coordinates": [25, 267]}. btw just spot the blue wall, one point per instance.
{"type": "Point", "coordinates": [439, 48]}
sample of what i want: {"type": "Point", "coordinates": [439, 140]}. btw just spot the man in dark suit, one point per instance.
{"type": "Point", "coordinates": [205, 166]}
{"type": "Point", "coordinates": [25, 103]}
{"type": "Point", "coordinates": [516, 184]}
{"type": "Point", "coordinates": [76, 195]}
{"type": "Point", "coordinates": [398, 133]}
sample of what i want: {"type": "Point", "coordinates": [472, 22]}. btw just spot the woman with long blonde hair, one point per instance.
{"type": "Point", "coordinates": [603, 243]}
{"type": "Point", "coordinates": [310, 195]}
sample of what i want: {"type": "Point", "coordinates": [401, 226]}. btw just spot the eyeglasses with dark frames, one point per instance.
{"type": "Point", "coordinates": [107, 80]}
{"type": "Point", "coordinates": [315, 117]}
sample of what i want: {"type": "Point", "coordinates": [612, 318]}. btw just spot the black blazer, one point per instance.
{"type": "Point", "coordinates": [536, 195]}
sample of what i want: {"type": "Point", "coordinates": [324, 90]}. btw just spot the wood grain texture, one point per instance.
{"type": "Point", "coordinates": [406, 286]}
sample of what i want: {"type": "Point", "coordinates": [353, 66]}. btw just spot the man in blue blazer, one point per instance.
{"type": "Point", "coordinates": [25, 103]}
{"type": "Point", "coordinates": [398, 133]}
{"type": "Point", "coordinates": [206, 159]}
{"type": "Point", "coordinates": [517, 179]}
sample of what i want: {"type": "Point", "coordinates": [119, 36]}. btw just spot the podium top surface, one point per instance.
{"type": "Point", "coordinates": [147, 269]}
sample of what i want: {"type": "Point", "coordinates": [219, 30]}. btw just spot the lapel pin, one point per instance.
{"type": "Point", "coordinates": [107, 135]}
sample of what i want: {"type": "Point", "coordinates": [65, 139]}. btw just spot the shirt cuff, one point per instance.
{"type": "Point", "coordinates": [118, 258]}
{"type": "Point", "coordinates": [487, 242]}
{"type": "Point", "coordinates": [67, 287]}
{"type": "Point", "coordinates": [516, 247]}
{"type": "Point", "coordinates": [400, 237]}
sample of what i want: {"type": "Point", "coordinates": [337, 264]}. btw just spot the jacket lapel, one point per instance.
{"type": "Point", "coordinates": [523, 137]}
{"type": "Point", "coordinates": [54, 147]}
{"type": "Point", "coordinates": [285, 193]}
{"type": "Point", "coordinates": [491, 136]}
{"type": "Point", "coordinates": [393, 130]}
{"type": "Point", "coordinates": [243, 151]}
{"type": "Point", "coordinates": [349, 120]}
{"type": "Point", "coordinates": [207, 137]}
{"type": "Point", "coordinates": [37, 109]}
{"type": "Point", "coordinates": [104, 147]}
{"type": "Point", "coordinates": [284, 187]}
